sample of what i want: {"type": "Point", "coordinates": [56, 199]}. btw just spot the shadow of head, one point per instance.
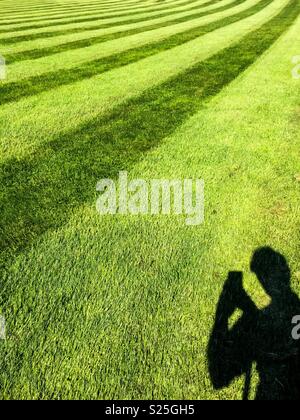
{"type": "Point", "coordinates": [272, 270]}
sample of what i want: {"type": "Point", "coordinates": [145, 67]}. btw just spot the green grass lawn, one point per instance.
{"type": "Point", "coordinates": [124, 307]}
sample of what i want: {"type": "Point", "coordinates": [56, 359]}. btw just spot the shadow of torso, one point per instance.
{"type": "Point", "coordinates": [261, 337]}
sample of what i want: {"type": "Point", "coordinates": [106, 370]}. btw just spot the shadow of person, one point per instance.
{"type": "Point", "coordinates": [261, 337]}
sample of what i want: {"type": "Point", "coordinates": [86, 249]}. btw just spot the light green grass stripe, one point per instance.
{"type": "Point", "coordinates": [95, 12]}
{"type": "Point", "coordinates": [236, 127]}
{"type": "Point", "coordinates": [186, 85]}
{"type": "Point", "coordinates": [34, 49]}
{"type": "Point", "coordinates": [161, 267]}
{"type": "Point", "coordinates": [100, 94]}
{"type": "Point", "coordinates": [27, 6]}
{"type": "Point", "coordinates": [254, 179]}
{"type": "Point", "coordinates": [73, 7]}
{"type": "Point", "coordinates": [28, 34]}
{"type": "Point", "coordinates": [71, 59]}
{"type": "Point", "coordinates": [23, 18]}
{"type": "Point", "coordinates": [8, 40]}
{"type": "Point", "coordinates": [91, 17]}
{"type": "Point", "coordinates": [57, 8]}
{"type": "Point", "coordinates": [66, 5]}
{"type": "Point", "coordinates": [55, 30]}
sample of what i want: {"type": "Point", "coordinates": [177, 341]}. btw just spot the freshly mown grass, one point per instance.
{"type": "Point", "coordinates": [121, 307]}
{"type": "Point", "coordinates": [80, 102]}
{"type": "Point", "coordinates": [23, 46]}
{"type": "Point", "coordinates": [37, 9]}
{"type": "Point", "coordinates": [22, 17]}
{"type": "Point", "coordinates": [15, 91]}
{"type": "Point", "coordinates": [82, 12]}
{"type": "Point", "coordinates": [42, 52]}
{"type": "Point", "coordinates": [13, 38]}
{"type": "Point", "coordinates": [93, 33]}
{"type": "Point", "coordinates": [21, 28]}
{"type": "Point", "coordinates": [121, 138]}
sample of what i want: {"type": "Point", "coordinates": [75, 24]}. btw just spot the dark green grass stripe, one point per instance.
{"type": "Point", "coordinates": [40, 192]}
{"type": "Point", "coordinates": [42, 35]}
{"type": "Point", "coordinates": [83, 9]}
{"type": "Point", "coordinates": [88, 19]}
{"type": "Point", "coordinates": [49, 8]}
{"type": "Point", "coordinates": [42, 52]}
{"type": "Point", "coordinates": [35, 8]}
{"type": "Point", "coordinates": [166, 11]}
{"type": "Point", "coordinates": [12, 92]}
{"type": "Point", "coordinates": [160, 13]}
{"type": "Point", "coordinates": [65, 14]}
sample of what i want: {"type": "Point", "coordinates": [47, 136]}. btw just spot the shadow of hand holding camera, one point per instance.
{"type": "Point", "coordinates": [261, 337]}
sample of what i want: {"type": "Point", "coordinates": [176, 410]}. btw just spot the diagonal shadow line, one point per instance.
{"type": "Point", "coordinates": [40, 192]}
{"type": "Point", "coordinates": [87, 12]}
{"type": "Point", "coordinates": [71, 31]}
{"type": "Point", "coordinates": [42, 52]}
{"type": "Point", "coordinates": [85, 20]}
{"type": "Point", "coordinates": [13, 92]}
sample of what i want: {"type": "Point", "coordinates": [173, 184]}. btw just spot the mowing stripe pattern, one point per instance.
{"type": "Point", "coordinates": [106, 307]}
{"type": "Point", "coordinates": [15, 91]}
{"type": "Point", "coordinates": [85, 151]}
